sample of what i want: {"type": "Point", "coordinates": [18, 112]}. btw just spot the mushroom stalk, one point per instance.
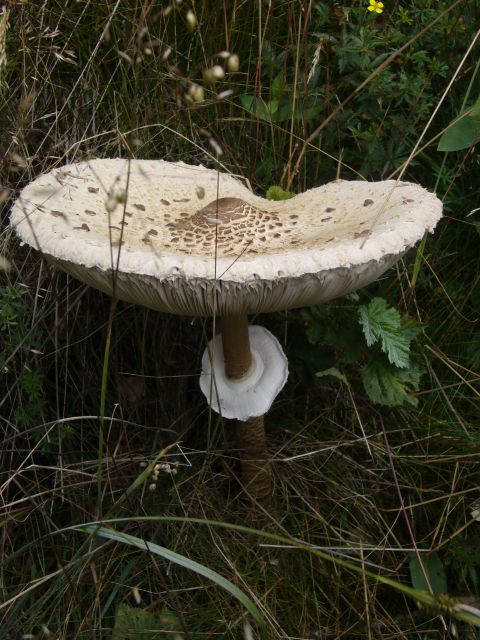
{"type": "Point", "coordinates": [252, 448]}
{"type": "Point", "coordinates": [250, 434]}
{"type": "Point", "coordinates": [236, 347]}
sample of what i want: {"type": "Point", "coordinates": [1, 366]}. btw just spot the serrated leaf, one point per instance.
{"type": "Point", "coordinates": [462, 134]}
{"type": "Point", "coordinates": [387, 385]}
{"type": "Point", "coordinates": [382, 323]}
{"type": "Point", "coordinates": [434, 570]}
{"type": "Point", "coordinates": [132, 623]}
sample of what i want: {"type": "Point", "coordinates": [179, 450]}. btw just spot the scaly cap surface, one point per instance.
{"type": "Point", "coordinates": [180, 249]}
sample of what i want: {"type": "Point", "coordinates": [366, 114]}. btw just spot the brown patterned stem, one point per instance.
{"type": "Point", "coordinates": [250, 434]}
{"type": "Point", "coordinates": [253, 451]}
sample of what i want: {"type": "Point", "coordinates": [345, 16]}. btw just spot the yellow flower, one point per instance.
{"type": "Point", "coordinates": [375, 6]}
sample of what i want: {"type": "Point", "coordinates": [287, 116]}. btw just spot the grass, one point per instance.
{"type": "Point", "coordinates": [375, 486]}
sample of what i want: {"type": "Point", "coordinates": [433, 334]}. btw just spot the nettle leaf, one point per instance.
{"type": "Point", "coordinates": [382, 323]}
{"type": "Point", "coordinates": [386, 384]}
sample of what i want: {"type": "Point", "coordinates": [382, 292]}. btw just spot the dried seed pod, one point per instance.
{"type": "Point", "coordinates": [233, 63]}
{"type": "Point", "coordinates": [196, 93]}
{"type": "Point", "coordinates": [212, 74]}
{"type": "Point", "coordinates": [191, 20]}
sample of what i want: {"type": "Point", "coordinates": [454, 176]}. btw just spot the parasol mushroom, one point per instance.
{"type": "Point", "coordinates": [191, 241]}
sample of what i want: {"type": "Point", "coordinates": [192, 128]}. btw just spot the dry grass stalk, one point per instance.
{"type": "Point", "coordinates": [3, 40]}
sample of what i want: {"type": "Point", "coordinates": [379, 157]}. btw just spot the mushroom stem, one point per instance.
{"type": "Point", "coordinates": [253, 452]}
{"type": "Point", "coordinates": [236, 346]}
{"type": "Point", "coordinates": [250, 434]}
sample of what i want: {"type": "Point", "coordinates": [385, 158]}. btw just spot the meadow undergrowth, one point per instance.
{"type": "Point", "coordinates": [289, 95]}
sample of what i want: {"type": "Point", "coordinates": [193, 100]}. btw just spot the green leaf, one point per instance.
{"type": "Point", "coordinates": [280, 110]}
{"type": "Point", "coordinates": [176, 558]}
{"type": "Point", "coordinates": [381, 323]}
{"type": "Point", "coordinates": [461, 134]}
{"type": "Point", "coordinates": [306, 108]}
{"type": "Point", "coordinates": [277, 86]}
{"type": "Point", "coordinates": [347, 338]}
{"type": "Point", "coordinates": [433, 569]}
{"type": "Point", "coordinates": [387, 385]}
{"type": "Point", "coordinates": [277, 193]}
{"type": "Point", "coordinates": [132, 623]}
{"type": "Point", "coordinates": [459, 610]}
{"type": "Point", "coordinates": [307, 358]}
{"type": "Point", "coordinates": [259, 108]}
{"type": "Point", "coordinates": [334, 373]}
{"type": "Point", "coordinates": [474, 110]}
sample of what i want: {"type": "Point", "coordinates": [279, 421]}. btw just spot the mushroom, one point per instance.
{"type": "Point", "coordinates": [191, 241]}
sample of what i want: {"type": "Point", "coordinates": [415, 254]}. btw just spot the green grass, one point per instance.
{"type": "Point", "coordinates": [363, 483]}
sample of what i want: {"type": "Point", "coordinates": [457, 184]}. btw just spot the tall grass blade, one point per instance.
{"type": "Point", "coordinates": [180, 560]}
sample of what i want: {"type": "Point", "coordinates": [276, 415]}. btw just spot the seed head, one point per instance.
{"type": "Point", "coordinates": [215, 146]}
{"type": "Point", "coordinates": [4, 264]}
{"type": "Point", "coordinates": [136, 595]}
{"type": "Point", "coordinates": [191, 19]}
{"type": "Point", "coordinates": [225, 94]}
{"type": "Point", "coordinates": [233, 63]}
{"type": "Point", "coordinates": [214, 73]}
{"type": "Point", "coordinates": [196, 93]}
{"type": "Point", "coordinates": [111, 204]}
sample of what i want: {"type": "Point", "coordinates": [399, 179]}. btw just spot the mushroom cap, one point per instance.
{"type": "Point", "coordinates": [253, 394]}
{"type": "Point", "coordinates": [192, 241]}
